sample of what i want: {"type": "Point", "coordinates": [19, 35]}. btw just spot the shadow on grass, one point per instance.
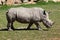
{"type": "Point", "coordinates": [5, 29]}
{"type": "Point", "coordinates": [26, 29]}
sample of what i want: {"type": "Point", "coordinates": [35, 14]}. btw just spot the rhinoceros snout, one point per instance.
{"type": "Point", "coordinates": [48, 23]}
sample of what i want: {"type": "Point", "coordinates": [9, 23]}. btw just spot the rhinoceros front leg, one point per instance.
{"type": "Point", "coordinates": [30, 24]}
{"type": "Point", "coordinates": [38, 26]}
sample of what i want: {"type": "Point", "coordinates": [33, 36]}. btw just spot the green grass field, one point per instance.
{"type": "Point", "coordinates": [52, 34]}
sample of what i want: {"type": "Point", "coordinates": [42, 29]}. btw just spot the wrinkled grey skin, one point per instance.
{"type": "Point", "coordinates": [28, 15]}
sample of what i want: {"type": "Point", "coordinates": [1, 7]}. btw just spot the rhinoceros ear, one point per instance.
{"type": "Point", "coordinates": [44, 12]}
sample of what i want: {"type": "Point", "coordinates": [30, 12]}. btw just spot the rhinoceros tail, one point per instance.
{"type": "Point", "coordinates": [6, 13]}
{"type": "Point", "coordinates": [7, 17]}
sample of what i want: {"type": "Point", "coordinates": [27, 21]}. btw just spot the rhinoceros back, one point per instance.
{"type": "Point", "coordinates": [25, 15]}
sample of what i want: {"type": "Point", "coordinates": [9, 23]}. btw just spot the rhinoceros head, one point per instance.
{"type": "Point", "coordinates": [46, 21]}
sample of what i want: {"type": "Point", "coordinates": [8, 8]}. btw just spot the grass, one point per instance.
{"type": "Point", "coordinates": [51, 34]}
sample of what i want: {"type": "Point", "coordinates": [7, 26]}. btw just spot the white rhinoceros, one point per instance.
{"type": "Point", "coordinates": [28, 15]}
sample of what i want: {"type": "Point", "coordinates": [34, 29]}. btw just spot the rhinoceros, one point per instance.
{"type": "Point", "coordinates": [28, 15]}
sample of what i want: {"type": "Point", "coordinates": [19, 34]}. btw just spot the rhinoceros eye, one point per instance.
{"type": "Point", "coordinates": [44, 12]}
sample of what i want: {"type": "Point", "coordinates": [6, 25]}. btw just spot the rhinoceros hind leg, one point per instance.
{"type": "Point", "coordinates": [10, 26]}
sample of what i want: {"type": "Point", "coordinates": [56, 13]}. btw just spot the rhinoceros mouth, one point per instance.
{"type": "Point", "coordinates": [48, 26]}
